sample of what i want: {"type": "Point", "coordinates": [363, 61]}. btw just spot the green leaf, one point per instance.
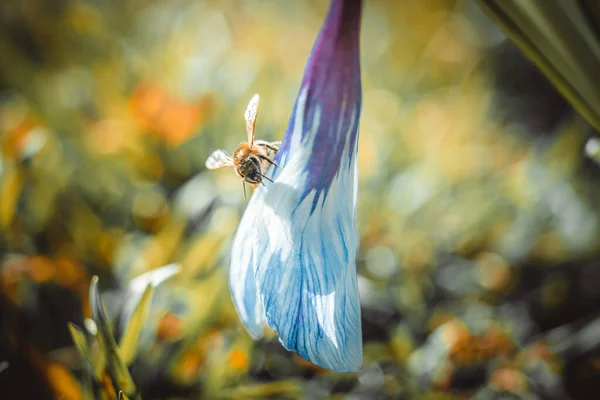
{"type": "Point", "coordinates": [128, 345]}
{"type": "Point", "coordinates": [81, 344]}
{"type": "Point", "coordinates": [116, 367]}
{"type": "Point", "coordinates": [98, 356]}
{"type": "Point", "coordinates": [560, 38]}
{"type": "Point", "coordinates": [93, 369]}
{"type": "Point", "coordinates": [94, 361]}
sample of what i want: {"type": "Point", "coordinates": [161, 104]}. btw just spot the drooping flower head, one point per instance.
{"type": "Point", "coordinates": [293, 260]}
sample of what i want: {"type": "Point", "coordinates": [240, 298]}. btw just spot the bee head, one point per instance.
{"type": "Point", "coordinates": [250, 170]}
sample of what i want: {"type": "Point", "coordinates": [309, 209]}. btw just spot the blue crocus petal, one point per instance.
{"type": "Point", "coordinates": [298, 237]}
{"type": "Point", "coordinates": [242, 284]}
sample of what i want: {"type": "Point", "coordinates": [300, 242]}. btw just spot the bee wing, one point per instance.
{"type": "Point", "coordinates": [250, 117]}
{"type": "Point", "coordinates": [219, 159]}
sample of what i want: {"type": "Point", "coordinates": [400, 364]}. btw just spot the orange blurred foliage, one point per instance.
{"type": "Point", "coordinates": [167, 117]}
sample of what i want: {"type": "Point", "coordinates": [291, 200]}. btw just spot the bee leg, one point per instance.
{"type": "Point", "coordinates": [266, 178]}
{"type": "Point", "coordinates": [268, 146]}
{"type": "Point", "coordinates": [267, 159]}
{"type": "Point", "coordinates": [274, 146]}
{"type": "Point", "coordinates": [244, 185]}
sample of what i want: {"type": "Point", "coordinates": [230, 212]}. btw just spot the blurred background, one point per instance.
{"type": "Point", "coordinates": [479, 266]}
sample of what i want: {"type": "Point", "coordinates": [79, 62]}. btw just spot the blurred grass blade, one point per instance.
{"type": "Point", "coordinates": [97, 354]}
{"type": "Point", "coordinates": [117, 368]}
{"type": "Point", "coordinates": [154, 277]}
{"type": "Point", "coordinates": [561, 38]}
{"type": "Point", "coordinates": [81, 344]}
{"type": "Point", "coordinates": [128, 346]}
{"type": "Point", "coordinates": [94, 362]}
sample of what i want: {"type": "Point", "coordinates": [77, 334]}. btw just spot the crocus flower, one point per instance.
{"type": "Point", "coordinates": [293, 259]}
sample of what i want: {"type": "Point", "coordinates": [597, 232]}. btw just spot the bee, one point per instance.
{"type": "Point", "coordinates": [251, 159]}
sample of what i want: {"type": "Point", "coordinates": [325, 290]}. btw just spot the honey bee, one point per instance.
{"type": "Point", "coordinates": [251, 159]}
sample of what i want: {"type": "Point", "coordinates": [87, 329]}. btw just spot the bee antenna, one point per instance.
{"type": "Point", "coordinates": [244, 185]}
{"type": "Point", "coordinates": [266, 178]}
